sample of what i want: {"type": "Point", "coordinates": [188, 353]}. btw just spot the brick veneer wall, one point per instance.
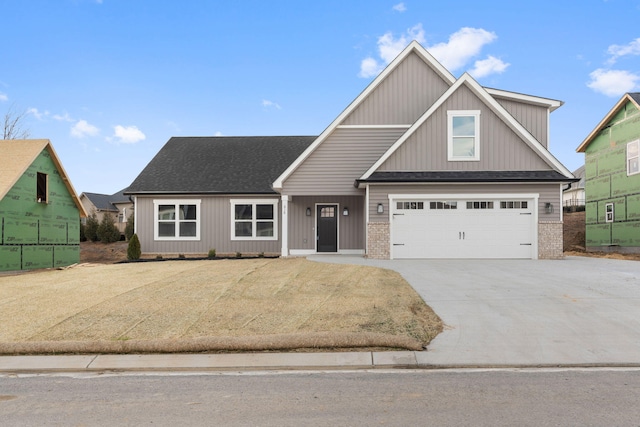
{"type": "Point", "coordinates": [550, 243]}
{"type": "Point", "coordinates": [378, 240]}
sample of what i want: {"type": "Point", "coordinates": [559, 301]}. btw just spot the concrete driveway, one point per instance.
{"type": "Point", "coordinates": [527, 312]}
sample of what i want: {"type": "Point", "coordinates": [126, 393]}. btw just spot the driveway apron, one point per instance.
{"type": "Point", "coordinates": [578, 310]}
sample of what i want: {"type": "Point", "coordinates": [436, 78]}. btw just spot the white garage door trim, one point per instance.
{"type": "Point", "coordinates": [468, 197]}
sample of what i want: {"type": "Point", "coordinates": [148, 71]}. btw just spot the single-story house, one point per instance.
{"type": "Point", "coordinates": [118, 205]}
{"type": "Point", "coordinates": [420, 165]}
{"type": "Point", "coordinates": [574, 193]}
{"type": "Point", "coordinates": [39, 209]}
{"type": "Point", "coordinates": [612, 179]}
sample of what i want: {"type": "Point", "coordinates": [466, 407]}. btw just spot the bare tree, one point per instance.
{"type": "Point", "coordinates": [12, 126]}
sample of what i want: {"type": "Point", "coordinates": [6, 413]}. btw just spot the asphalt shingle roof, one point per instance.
{"type": "Point", "coordinates": [469, 176]}
{"type": "Point", "coordinates": [222, 165]}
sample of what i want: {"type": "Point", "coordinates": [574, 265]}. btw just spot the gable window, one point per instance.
{"type": "Point", "coordinates": [42, 191]}
{"type": "Point", "coordinates": [633, 155]}
{"type": "Point", "coordinates": [255, 219]}
{"type": "Point", "coordinates": [463, 130]}
{"type": "Point", "coordinates": [177, 219]}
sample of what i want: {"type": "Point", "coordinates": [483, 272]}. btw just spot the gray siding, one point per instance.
{"type": "Point", "coordinates": [547, 193]}
{"type": "Point", "coordinates": [341, 159]}
{"type": "Point", "coordinates": [500, 147]}
{"type": "Point", "coordinates": [302, 228]}
{"type": "Point", "coordinates": [533, 117]}
{"type": "Point", "coordinates": [215, 229]}
{"type": "Point", "coordinates": [402, 97]}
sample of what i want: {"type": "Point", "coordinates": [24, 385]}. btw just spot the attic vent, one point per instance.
{"type": "Point", "coordinates": [41, 188]}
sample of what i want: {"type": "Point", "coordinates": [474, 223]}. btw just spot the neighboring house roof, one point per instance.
{"type": "Point", "coordinates": [106, 202]}
{"type": "Point", "coordinates": [487, 95]}
{"type": "Point", "coordinates": [580, 177]}
{"type": "Point", "coordinates": [627, 97]}
{"type": "Point", "coordinates": [468, 176]}
{"type": "Point", "coordinates": [21, 154]}
{"type": "Point", "coordinates": [219, 165]}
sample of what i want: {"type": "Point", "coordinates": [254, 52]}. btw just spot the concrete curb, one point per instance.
{"type": "Point", "coordinates": [206, 362]}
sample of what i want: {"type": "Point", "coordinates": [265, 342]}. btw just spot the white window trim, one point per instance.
{"type": "Point", "coordinates": [609, 216]}
{"type": "Point", "coordinates": [476, 149]}
{"type": "Point", "coordinates": [254, 202]}
{"type": "Point", "coordinates": [177, 203]}
{"type": "Point", "coordinates": [637, 156]}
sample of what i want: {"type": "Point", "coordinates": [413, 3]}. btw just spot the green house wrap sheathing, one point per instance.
{"type": "Point", "coordinates": [39, 235]}
{"type": "Point", "coordinates": [607, 181]}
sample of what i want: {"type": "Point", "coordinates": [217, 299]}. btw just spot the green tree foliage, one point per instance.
{"type": "Point", "coordinates": [128, 229]}
{"type": "Point", "coordinates": [83, 236]}
{"type": "Point", "coordinates": [133, 250]}
{"type": "Point", "coordinates": [107, 231]}
{"type": "Point", "coordinates": [91, 228]}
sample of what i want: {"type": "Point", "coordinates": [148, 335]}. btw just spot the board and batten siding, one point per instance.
{"type": "Point", "coordinates": [548, 193]}
{"type": "Point", "coordinates": [500, 147]}
{"type": "Point", "coordinates": [402, 97]}
{"type": "Point", "coordinates": [351, 228]}
{"type": "Point", "coordinates": [341, 159]}
{"type": "Point", "coordinates": [534, 118]}
{"type": "Point", "coordinates": [215, 228]}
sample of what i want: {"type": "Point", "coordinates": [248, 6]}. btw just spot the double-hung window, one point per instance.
{"type": "Point", "coordinates": [633, 156]}
{"type": "Point", "coordinates": [177, 219]}
{"type": "Point", "coordinates": [463, 130]}
{"type": "Point", "coordinates": [254, 219]}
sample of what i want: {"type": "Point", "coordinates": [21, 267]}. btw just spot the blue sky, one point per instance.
{"type": "Point", "coordinates": [110, 81]}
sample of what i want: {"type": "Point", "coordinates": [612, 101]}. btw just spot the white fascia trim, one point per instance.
{"type": "Point", "coordinates": [407, 126]}
{"type": "Point", "coordinates": [551, 104]}
{"type": "Point", "coordinates": [414, 46]}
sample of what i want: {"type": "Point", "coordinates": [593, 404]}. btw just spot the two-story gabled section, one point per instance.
{"type": "Point", "coordinates": [39, 209]}
{"type": "Point", "coordinates": [419, 165]}
{"type": "Point", "coordinates": [612, 179]}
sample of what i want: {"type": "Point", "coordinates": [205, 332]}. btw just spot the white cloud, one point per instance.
{"type": "Point", "coordinates": [400, 7]}
{"type": "Point", "coordinates": [485, 67]}
{"type": "Point", "coordinates": [388, 48]}
{"type": "Point", "coordinates": [617, 51]}
{"type": "Point", "coordinates": [463, 45]}
{"type": "Point", "coordinates": [37, 114]}
{"type": "Point", "coordinates": [63, 118]}
{"type": "Point", "coordinates": [613, 82]}
{"type": "Point", "coordinates": [128, 134]}
{"type": "Point", "coordinates": [270, 104]}
{"type": "Point", "coordinates": [3, 97]}
{"type": "Point", "coordinates": [82, 129]}
{"type": "Point", "coordinates": [218, 133]}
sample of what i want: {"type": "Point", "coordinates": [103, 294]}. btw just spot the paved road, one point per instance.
{"type": "Point", "coordinates": [442, 398]}
{"type": "Point", "coordinates": [511, 312]}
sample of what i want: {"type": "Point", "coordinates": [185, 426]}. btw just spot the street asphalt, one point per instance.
{"type": "Point", "coordinates": [578, 311]}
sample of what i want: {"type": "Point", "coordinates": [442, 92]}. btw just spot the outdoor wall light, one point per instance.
{"type": "Point", "coordinates": [345, 211]}
{"type": "Point", "coordinates": [548, 208]}
{"type": "Point", "coordinates": [380, 208]}
{"type": "Point", "coordinates": [308, 211]}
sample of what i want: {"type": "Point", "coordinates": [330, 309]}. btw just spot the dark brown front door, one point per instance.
{"type": "Point", "coordinates": [327, 216]}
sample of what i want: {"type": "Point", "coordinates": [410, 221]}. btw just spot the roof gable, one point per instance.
{"type": "Point", "coordinates": [23, 153]}
{"type": "Point", "coordinates": [415, 48]}
{"type": "Point", "coordinates": [218, 165]}
{"type": "Point", "coordinates": [633, 98]}
{"type": "Point", "coordinates": [492, 104]}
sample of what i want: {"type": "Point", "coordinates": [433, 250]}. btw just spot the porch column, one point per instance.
{"type": "Point", "coordinates": [285, 226]}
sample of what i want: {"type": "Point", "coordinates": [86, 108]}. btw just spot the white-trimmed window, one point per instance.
{"type": "Point", "coordinates": [633, 157]}
{"type": "Point", "coordinates": [254, 219]}
{"type": "Point", "coordinates": [177, 219]}
{"type": "Point", "coordinates": [463, 130]}
{"type": "Point", "coordinates": [608, 212]}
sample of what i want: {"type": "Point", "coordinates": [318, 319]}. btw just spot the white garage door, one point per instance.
{"type": "Point", "coordinates": [463, 228]}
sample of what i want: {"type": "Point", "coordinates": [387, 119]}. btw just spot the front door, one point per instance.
{"type": "Point", "coordinates": [327, 228]}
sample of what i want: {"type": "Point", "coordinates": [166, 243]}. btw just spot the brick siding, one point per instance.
{"type": "Point", "coordinates": [550, 243]}
{"type": "Point", "coordinates": [378, 241]}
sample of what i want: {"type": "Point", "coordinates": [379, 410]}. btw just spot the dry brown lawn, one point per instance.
{"type": "Point", "coordinates": [269, 303]}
